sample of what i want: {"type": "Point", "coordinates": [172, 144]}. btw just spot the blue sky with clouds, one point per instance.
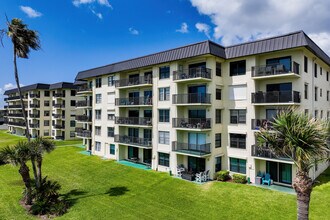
{"type": "Point", "coordinates": [81, 34]}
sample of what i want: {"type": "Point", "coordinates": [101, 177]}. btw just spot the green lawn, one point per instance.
{"type": "Point", "coordinates": [102, 189]}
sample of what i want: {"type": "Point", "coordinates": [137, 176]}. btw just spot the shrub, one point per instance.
{"type": "Point", "coordinates": [238, 178]}
{"type": "Point", "coordinates": [223, 175]}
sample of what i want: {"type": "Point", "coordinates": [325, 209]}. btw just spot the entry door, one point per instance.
{"type": "Point", "coordinates": [196, 164]}
{"type": "Point", "coordinates": [195, 140]}
{"type": "Point", "coordinates": [279, 87]}
{"type": "Point", "coordinates": [133, 152]}
{"type": "Point", "coordinates": [271, 168]}
{"type": "Point", "coordinates": [285, 173]}
{"type": "Point", "coordinates": [147, 156]}
{"type": "Point", "coordinates": [197, 89]}
{"type": "Point", "coordinates": [197, 114]}
{"type": "Point", "coordinates": [133, 113]}
{"type": "Point", "coordinates": [271, 114]}
{"type": "Point", "coordinates": [148, 113]}
{"type": "Point", "coordinates": [133, 132]}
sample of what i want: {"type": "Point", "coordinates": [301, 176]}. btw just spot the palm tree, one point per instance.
{"type": "Point", "coordinates": [39, 146]}
{"type": "Point", "coordinates": [302, 139]}
{"type": "Point", "coordinates": [18, 155]}
{"type": "Point", "coordinates": [23, 40]}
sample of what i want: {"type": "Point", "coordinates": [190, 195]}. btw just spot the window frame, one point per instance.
{"type": "Point", "coordinates": [163, 159]}
{"type": "Point", "coordinates": [234, 68]}
{"type": "Point", "coordinates": [239, 114]}
{"type": "Point", "coordinates": [164, 72]}
{"type": "Point", "coordinates": [164, 137]}
{"type": "Point", "coordinates": [238, 143]}
{"type": "Point", "coordinates": [240, 169]}
{"type": "Point", "coordinates": [164, 94]}
{"type": "Point", "coordinates": [162, 117]}
{"type": "Point", "coordinates": [218, 140]}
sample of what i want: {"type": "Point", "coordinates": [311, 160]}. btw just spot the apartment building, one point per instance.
{"type": "Point", "coordinates": [50, 110]}
{"type": "Point", "coordinates": [200, 105]}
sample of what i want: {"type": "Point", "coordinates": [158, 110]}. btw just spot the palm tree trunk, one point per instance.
{"type": "Point", "coordinates": [39, 164]}
{"type": "Point", "coordinates": [303, 186]}
{"type": "Point", "coordinates": [24, 171]}
{"type": "Point", "coordinates": [27, 132]}
{"type": "Point", "coordinates": [34, 168]}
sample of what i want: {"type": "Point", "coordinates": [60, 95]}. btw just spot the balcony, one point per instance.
{"type": "Point", "coordinates": [84, 104]}
{"type": "Point", "coordinates": [34, 96]}
{"type": "Point", "coordinates": [14, 106]}
{"type": "Point", "coordinates": [84, 89]}
{"type": "Point", "coordinates": [276, 97]}
{"type": "Point", "coordinates": [14, 98]}
{"type": "Point", "coordinates": [58, 116]}
{"type": "Point", "coordinates": [34, 115]}
{"type": "Point", "coordinates": [59, 106]}
{"type": "Point", "coordinates": [266, 153]}
{"type": "Point", "coordinates": [84, 134]}
{"type": "Point", "coordinates": [133, 101]}
{"type": "Point", "coordinates": [15, 115]}
{"type": "Point", "coordinates": [256, 124]}
{"type": "Point", "coordinates": [133, 121]}
{"type": "Point", "coordinates": [192, 99]}
{"type": "Point", "coordinates": [83, 118]}
{"type": "Point", "coordinates": [58, 95]}
{"type": "Point", "coordinates": [134, 82]}
{"type": "Point", "coordinates": [193, 74]}
{"type": "Point", "coordinates": [199, 150]}
{"type": "Point", "coordinates": [19, 124]}
{"type": "Point", "coordinates": [192, 123]}
{"type": "Point", "coordinates": [136, 141]}
{"type": "Point", "coordinates": [59, 126]}
{"type": "Point", "coordinates": [34, 105]}
{"type": "Point", "coordinates": [275, 70]}
{"type": "Point", "coordinates": [34, 125]}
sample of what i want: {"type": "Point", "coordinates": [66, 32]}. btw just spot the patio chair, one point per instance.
{"type": "Point", "coordinates": [205, 176]}
{"type": "Point", "coordinates": [266, 179]}
{"type": "Point", "coordinates": [180, 170]}
{"type": "Point", "coordinates": [199, 177]}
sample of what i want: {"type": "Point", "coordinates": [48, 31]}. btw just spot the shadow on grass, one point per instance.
{"type": "Point", "coordinates": [324, 178]}
{"type": "Point", "coordinates": [117, 191]}
{"type": "Point", "coordinates": [72, 196]}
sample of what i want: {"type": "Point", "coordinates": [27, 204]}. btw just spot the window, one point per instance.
{"type": "Point", "coordinates": [111, 131]}
{"type": "Point", "coordinates": [98, 98]}
{"type": "Point", "coordinates": [98, 82]}
{"type": "Point", "coordinates": [164, 137]}
{"type": "Point", "coordinates": [46, 93]}
{"type": "Point", "coordinates": [46, 133]}
{"type": "Point", "coordinates": [111, 117]}
{"type": "Point", "coordinates": [218, 94]}
{"type": "Point", "coordinates": [73, 103]}
{"type": "Point", "coordinates": [316, 113]}
{"type": "Point", "coordinates": [305, 64]}
{"type": "Point", "coordinates": [321, 71]}
{"type": "Point", "coordinates": [164, 115]}
{"type": "Point", "coordinates": [217, 164]}
{"type": "Point", "coordinates": [328, 95]}
{"type": "Point", "coordinates": [98, 114]}
{"type": "Point", "coordinates": [218, 69]}
{"type": "Point", "coordinates": [97, 130]}
{"type": "Point", "coordinates": [164, 159]}
{"type": "Point", "coordinates": [97, 146]}
{"type": "Point", "coordinates": [72, 123]}
{"type": "Point", "coordinates": [306, 112]}
{"type": "Point", "coordinates": [112, 149]}
{"type": "Point", "coordinates": [164, 94]}
{"type": "Point", "coordinates": [238, 141]}
{"type": "Point", "coordinates": [111, 82]}
{"type": "Point", "coordinates": [72, 134]}
{"type": "Point", "coordinates": [315, 70]}
{"type": "Point", "coordinates": [46, 103]}
{"type": "Point", "coordinates": [218, 116]}
{"type": "Point", "coordinates": [316, 93]}
{"type": "Point", "coordinates": [73, 92]}
{"type": "Point", "coordinates": [164, 72]}
{"type": "Point", "coordinates": [237, 92]}
{"type": "Point", "coordinates": [237, 68]}
{"type": "Point", "coordinates": [217, 140]}
{"type": "Point", "coordinates": [327, 76]}
{"type": "Point", "coordinates": [238, 165]}
{"type": "Point", "coordinates": [328, 115]}
{"type": "Point", "coordinates": [320, 92]}
{"type": "Point", "coordinates": [238, 116]}
{"type": "Point", "coordinates": [46, 123]}
{"type": "Point", "coordinates": [306, 91]}
{"type": "Point", "coordinates": [321, 114]}
{"type": "Point", "coordinates": [46, 113]}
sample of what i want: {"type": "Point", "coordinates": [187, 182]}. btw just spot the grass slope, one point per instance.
{"type": "Point", "coordinates": [102, 189]}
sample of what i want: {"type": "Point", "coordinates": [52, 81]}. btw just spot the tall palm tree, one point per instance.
{"type": "Point", "coordinates": [39, 146]}
{"type": "Point", "coordinates": [302, 139]}
{"type": "Point", "coordinates": [23, 40]}
{"type": "Point", "coordinates": [18, 155]}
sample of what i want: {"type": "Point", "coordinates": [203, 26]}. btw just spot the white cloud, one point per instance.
{"type": "Point", "coordinates": [240, 20]}
{"type": "Point", "coordinates": [183, 29]}
{"type": "Point", "coordinates": [8, 86]}
{"type": "Point", "coordinates": [77, 3]}
{"type": "Point", "coordinates": [30, 12]}
{"type": "Point", "coordinates": [322, 39]}
{"type": "Point", "coordinates": [133, 31]}
{"type": "Point", "coordinates": [204, 28]}
{"type": "Point", "coordinates": [99, 15]}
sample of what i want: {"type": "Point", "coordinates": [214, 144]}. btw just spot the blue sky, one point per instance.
{"type": "Point", "coordinates": [81, 34]}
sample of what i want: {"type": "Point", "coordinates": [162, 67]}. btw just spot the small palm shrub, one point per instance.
{"type": "Point", "coordinates": [238, 178]}
{"type": "Point", "coordinates": [223, 175]}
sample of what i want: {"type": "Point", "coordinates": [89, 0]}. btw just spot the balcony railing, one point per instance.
{"type": "Point", "coordinates": [266, 153]}
{"type": "Point", "coordinates": [15, 98]}
{"type": "Point", "coordinates": [59, 106]}
{"type": "Point", "coordinates": [134, 81]}
{"type": "Point", "coordinates": [34, 96]}
{"type": "Point", "coordinates": [124, 139]}
{"type": "Point", "coordinates": [84, 133]}
{"type": "Point", "coordinates": [15, 106]}
{"type": "Point", "coordinates": [83, 118]}
{"type": "Point", "coordinates": [256, 124]}
{"type": "Point", "coordinates": [18, 115]}
{"type": "Point", "coordinates": [192, 73]}
{"type": "Point", "coordinates": [192, 123]}
{"type": "Point", "coordinates": [133, 101]}
{"type": "Point", "coordinates": [133, 121]}
{"type": "Point", "coordinates": [34, 106]}
{"type": "Point", "coordinates": [192, 98]}
{"type": "Point", "coordinates": [84, 103]}
{"type": "Point", "coordinates": [34, 125]}
{"type": "Point", "coordinates": [84, 89]}
{"type": "Point", "coordinates": [58, 116]}
{"type": "Point", "coordinates": [194, 149]}
{"type": "Point", "coordinates": [274, 69]}
{"type": "Point", "coordinates": [21, 124]}
{"type": "Point", "coordinates": [59, 95]}
{"type": "Point", "coordinates": [34, 115]}
{"type": "Point", "coordinates": [276, 97]}
{"type": "Point", "coordinates": [58, 126]}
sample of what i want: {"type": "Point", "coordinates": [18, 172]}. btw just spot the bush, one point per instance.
{"type": "Point", "coordinates": [238, 178]}
{"type": "Point", "coordinates": [223, 175]}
